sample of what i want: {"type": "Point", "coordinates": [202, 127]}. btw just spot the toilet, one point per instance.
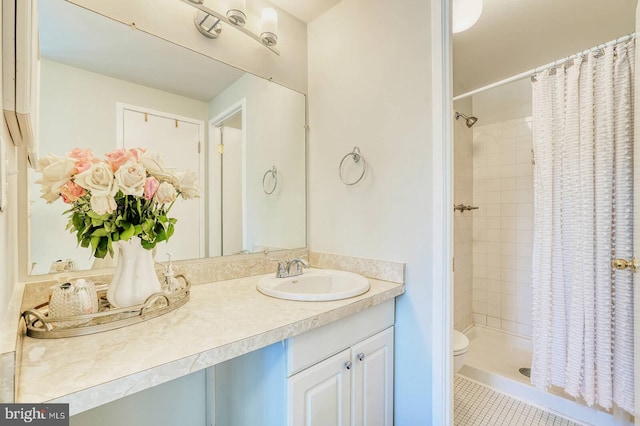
{"type": "Point", "coordinates": [460, 346]}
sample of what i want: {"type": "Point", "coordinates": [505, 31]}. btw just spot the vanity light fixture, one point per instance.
{"type": "Point", "coordinates": [236, 13]}
{"type": "Point", "coordinates": [465, 14]}
{"type": "Point", "coordinates": [209, 22]}
{"type": "Point", "coordinates": [208, 25]}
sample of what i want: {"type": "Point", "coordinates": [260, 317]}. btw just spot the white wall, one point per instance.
{"type": "Point", "coordinates": [503, 226]}
{"type": "Point", "coordinates": [173, 20]}
{"type": "Point", "coordinates": [503, 103]}
{"type": "Point", "coordinates": [374, 92]}
{"type": "Point", "coordinates": [463, 221]}
{"type": "Point", "coordinates": [78, 109]}
{"type": "Point", "coordinates": [274, 125]}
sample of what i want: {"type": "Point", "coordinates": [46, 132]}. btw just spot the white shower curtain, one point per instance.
{"type": "Point", "coordinates": [583, 186]}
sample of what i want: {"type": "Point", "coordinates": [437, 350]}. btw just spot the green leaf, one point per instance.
{"type": "Point", "coordinates": [94, 215]}
{"type": "Point", "coordinates": [101, 250]}
{"type": "Point", "coordinates": [94, 242]}
{"type": "Point", "coordinates": [77, 220]}
{"type": "Point", "coordinates": [162, 234]}
{"type": "Point", "coordinates": [100, 232]}
{"type": "Point", "coordinates": [129, 231]}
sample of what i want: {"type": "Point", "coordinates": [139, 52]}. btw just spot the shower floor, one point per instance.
{"type": "Point", "coordinates": [494, 358]}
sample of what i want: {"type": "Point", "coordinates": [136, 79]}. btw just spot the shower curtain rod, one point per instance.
{"type": "Point", "coordinates": [544, 67]}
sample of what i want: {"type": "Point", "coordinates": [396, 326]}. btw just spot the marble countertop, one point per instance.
{"type": "Point", "coordinates": [221, 321]}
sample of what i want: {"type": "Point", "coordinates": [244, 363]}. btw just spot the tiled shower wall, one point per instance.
{"type": "Point", "coordinates": [502, 226]}
{"type": "Point", "coordinates": [463, 222]}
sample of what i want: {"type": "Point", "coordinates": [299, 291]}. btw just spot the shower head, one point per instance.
{"type": "Point", "coordinates": [470, 121]}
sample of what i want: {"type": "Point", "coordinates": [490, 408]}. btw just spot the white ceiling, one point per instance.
{"type": "Point", "coordinates": [513, 36]}
{"type": "Point", "coordinates": [305, 10]}
{"type": "Point", "coordinates": [74, 36]}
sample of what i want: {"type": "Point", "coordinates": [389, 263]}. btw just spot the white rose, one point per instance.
{"type": "Point", "coordinates": [188, 185]}
{"type": "Point", "coordinates": [152, 162]}
{"type": "Point", "coordinates": [102, 205]}
{"type": "Point", "coordinates": [56, 171]}
{"type": "Point", "coordinates": [165, 194]}
{"type": "Point", "coordinates": [49, 194]}
{"type": "Point", "coordinates": [98, 180]}
{"type": "Point", "coordinates": [154, 165]}
{"type": "Point", "coordinates": [131, 178]}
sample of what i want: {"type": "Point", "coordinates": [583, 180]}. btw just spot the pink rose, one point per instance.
{"type": "Point", "coordinates": [81, 154]}
{"type": "Point", "coordinates": [82, 165]}
{"type": "Point", "coordinates": [137, 153]}
{"type": "Point", "coordinates": [70, 192]}
{"type": "Point", "coordinates": [84, 159]}
{"type": "Point", "coordinates": [150, 188]}
{"type": "Point", "coordinates": [117, 158]}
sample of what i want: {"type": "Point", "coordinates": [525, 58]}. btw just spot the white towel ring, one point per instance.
{"type": "Point", "coordinates": [274, 174]}
{"type": "Point", "coordinates": [355, 154]}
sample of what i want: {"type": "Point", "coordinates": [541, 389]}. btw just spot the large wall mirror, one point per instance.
{"type": "Point", "coordinates": [105, 85]}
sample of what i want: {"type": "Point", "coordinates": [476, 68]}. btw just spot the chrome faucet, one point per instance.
{"type": "Point", "coordinates": [284, 269]}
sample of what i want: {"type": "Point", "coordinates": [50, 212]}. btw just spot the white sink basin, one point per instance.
{"type": "Point", "coordinates": [315, 285]}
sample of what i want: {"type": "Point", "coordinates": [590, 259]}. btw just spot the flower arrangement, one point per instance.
{"type": "Point", "coordinates": [129, 193]}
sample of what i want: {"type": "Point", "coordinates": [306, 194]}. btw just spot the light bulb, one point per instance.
{"type": "Point", "coordinates": [236, 13]}
{"type": "Point", "coordinates": [269, 27]}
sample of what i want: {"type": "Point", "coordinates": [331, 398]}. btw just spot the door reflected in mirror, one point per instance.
{"type": "Point", "coordinates": [135, 90]}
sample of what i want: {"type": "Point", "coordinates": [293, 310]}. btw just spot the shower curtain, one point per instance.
{"type": "Point", "coordinates": [583, 195]}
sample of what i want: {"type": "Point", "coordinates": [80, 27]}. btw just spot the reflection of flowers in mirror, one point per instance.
{"type": "Point", "coordinates": [128, 193]}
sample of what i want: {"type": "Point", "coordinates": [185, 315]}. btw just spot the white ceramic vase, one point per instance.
{"type": "Point", "coordinates": [135, 277]}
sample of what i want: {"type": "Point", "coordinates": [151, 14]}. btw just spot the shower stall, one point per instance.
{"type": "Point", "coordinates": [494, 164]}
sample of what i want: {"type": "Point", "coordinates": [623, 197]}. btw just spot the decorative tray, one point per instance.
{"type": "Point", "coordinates": [40, 326]}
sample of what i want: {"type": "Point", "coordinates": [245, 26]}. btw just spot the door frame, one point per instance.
{"type": "Point", "coordinates": [442, 213]}
{"type": "Point", "coordinates": [121, 107]}
{"type": "Point", "coordinates": [215, 191]}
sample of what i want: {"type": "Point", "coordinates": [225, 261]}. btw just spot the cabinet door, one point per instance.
{"type": "Point", "coordinates": [372, 380]}
{"type": "Point", "coordinates": [320, 395]}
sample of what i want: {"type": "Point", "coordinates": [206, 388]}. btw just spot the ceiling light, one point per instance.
{"type": "Point", "coordinates": [465, 14]}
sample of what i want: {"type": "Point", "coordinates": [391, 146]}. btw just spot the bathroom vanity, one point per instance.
{"type": "Point", "coordinates": [293, 356]}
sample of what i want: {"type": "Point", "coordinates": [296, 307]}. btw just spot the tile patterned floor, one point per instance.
{"type": "Point", "coordinates": [479, 405]}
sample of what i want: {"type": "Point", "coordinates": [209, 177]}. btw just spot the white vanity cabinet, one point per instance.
{"type": "Point", "coordinates": [353, 387]}
{"type": "Point", "coordinates": [340, 374]}
{"type": "Point", "coordinates": [321, 394]}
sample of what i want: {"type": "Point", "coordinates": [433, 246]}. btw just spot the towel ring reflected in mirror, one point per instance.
{"type": "Point", "coordinates": [356, 156]}
{"type": "Point", "coordinates": [274, 176]}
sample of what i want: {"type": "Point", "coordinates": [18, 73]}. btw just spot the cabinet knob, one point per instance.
{"type": "Point", "coordinates": [360, 356]}
{"type": "Point", "coordinates": [348, 365]}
